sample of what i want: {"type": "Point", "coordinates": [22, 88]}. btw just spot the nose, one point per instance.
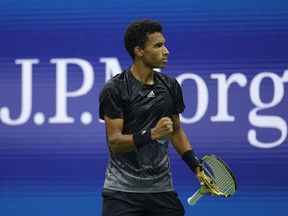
{"type": "Point", "coordinates": [166, 51]}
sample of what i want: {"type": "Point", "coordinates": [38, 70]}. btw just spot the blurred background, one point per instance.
{"type": "Point", "coordinates": [230, 58]}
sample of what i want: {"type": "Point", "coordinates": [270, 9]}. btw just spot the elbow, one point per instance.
{"type": "Point", "coordinates": [113, 145]}
{"type": "Point", "coordinates": [120, 146]}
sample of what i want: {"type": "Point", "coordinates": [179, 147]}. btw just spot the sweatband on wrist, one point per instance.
{"type": "Point", "coordinates": [142, 138]}
{"type": "Point", "coordinates": [190, 159]}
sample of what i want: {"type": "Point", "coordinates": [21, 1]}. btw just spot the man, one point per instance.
{"type": "Point", "coordinates": [141, 109]}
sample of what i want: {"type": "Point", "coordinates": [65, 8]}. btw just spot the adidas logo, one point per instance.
{"type": "Point", "coordinates": [151, 94]}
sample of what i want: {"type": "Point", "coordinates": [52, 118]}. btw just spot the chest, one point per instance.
{"type": "Point", "coordinates": [148, 101]}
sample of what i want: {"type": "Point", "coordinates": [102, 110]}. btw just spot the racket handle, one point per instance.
{"type": "Point", "coordinates": [194, 198]}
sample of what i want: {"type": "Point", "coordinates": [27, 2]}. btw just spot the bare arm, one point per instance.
{"type": "Point", "coordinates": [119, 142]}
{"type": "Point", "coordinates": [178, 137]}
{"type": "Point", "coordinates": [181, 143]}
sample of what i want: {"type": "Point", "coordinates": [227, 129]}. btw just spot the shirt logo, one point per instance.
{"type": "Point", "coordinates": [151, 94]}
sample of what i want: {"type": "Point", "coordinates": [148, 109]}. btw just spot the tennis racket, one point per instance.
{"type": "Point", "coordinates": [218, 179]}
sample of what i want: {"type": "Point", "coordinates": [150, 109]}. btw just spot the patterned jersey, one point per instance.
{"type": "Point", "coordinates": [141, 106]}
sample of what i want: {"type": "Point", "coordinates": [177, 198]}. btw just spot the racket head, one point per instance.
{"type": "Point", "coordinates": [218, 177]}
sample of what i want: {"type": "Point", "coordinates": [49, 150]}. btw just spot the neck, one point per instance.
{"type": "Point", "coordinates": [143, 74]}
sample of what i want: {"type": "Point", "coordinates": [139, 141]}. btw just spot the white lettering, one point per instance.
{"type": "Point", "coordinates": [202, 97]}
{"type": "Point", "coordinates": [267, 121]}
{"type": "Point", "coordinates": [112, 67]}
{"type": "Point", "coordinates": [257, 117]}
{"type": "Point", "coordinates": [62, 94]}
{"type": "Point", "coordinates": [26, 94]}
{"type": "Point", "coordinates": [223, 87]}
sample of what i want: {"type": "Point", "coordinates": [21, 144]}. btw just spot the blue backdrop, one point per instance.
{"type": "Point", "coordinates": [230, 58]}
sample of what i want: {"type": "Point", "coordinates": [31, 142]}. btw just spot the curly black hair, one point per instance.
{"type": "Point", "coordinates": [137, 33]}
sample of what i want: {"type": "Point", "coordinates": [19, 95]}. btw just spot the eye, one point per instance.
{"type": "Point", "coordinates": [158, 45]}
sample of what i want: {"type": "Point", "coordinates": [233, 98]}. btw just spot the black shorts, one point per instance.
{"type": "Point", "coordinates": [116, 203]}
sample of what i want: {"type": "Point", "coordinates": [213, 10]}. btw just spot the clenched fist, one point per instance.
{"type": "Point", "coordinates": [163, 128]}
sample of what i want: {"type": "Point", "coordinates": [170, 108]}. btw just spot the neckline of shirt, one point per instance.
{"type": "Point", "coordinates": [149, 86]}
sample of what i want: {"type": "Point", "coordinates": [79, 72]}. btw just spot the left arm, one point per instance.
{"type": "Point", "coordinates": [181, 143]}
{"type": "Point", "coordinates": [178, 137]}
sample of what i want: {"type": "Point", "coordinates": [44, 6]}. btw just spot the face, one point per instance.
{"type": "Point", "coordinates": [155, 54]}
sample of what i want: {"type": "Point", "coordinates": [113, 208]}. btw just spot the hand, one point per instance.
{"type": "Point", "coordinates": [208, 190]}
{"type": "Point", "coordinates": [163, 128]}
{"type": "Point", "coordinates": [198, 176]}
{"type": "Point", "coordinates": [204, 188]}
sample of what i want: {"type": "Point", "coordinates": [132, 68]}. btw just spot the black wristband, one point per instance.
{"type": "Point", "coordinates": [190, 159]}
{"type": "Point", "coordinates": [142, 138]}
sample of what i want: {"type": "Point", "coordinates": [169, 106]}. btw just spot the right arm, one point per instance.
{"type": "Point", "coordinates": [119, 142]}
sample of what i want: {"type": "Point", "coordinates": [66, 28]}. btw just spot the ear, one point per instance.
{"type": "Point", "coordinates": [138, 51]}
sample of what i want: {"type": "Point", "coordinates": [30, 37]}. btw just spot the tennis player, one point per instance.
{"type": "Point", "coordinates": [141, 110]}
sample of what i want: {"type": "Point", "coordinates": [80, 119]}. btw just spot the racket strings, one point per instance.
{"type": "Point", "coordinates": [220, 175]}
{"type": "Point", "coordinates": [222, 179]}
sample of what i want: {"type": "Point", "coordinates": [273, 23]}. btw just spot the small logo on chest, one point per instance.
{"type": "Point", "coordinates": [151, 94]}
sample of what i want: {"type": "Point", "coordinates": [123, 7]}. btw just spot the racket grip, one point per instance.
{"type": "Point", "coordinates": [194, 198]}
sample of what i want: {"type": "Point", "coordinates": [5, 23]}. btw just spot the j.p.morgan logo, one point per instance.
{"type": "Point", "coordinates": [255, 116]}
